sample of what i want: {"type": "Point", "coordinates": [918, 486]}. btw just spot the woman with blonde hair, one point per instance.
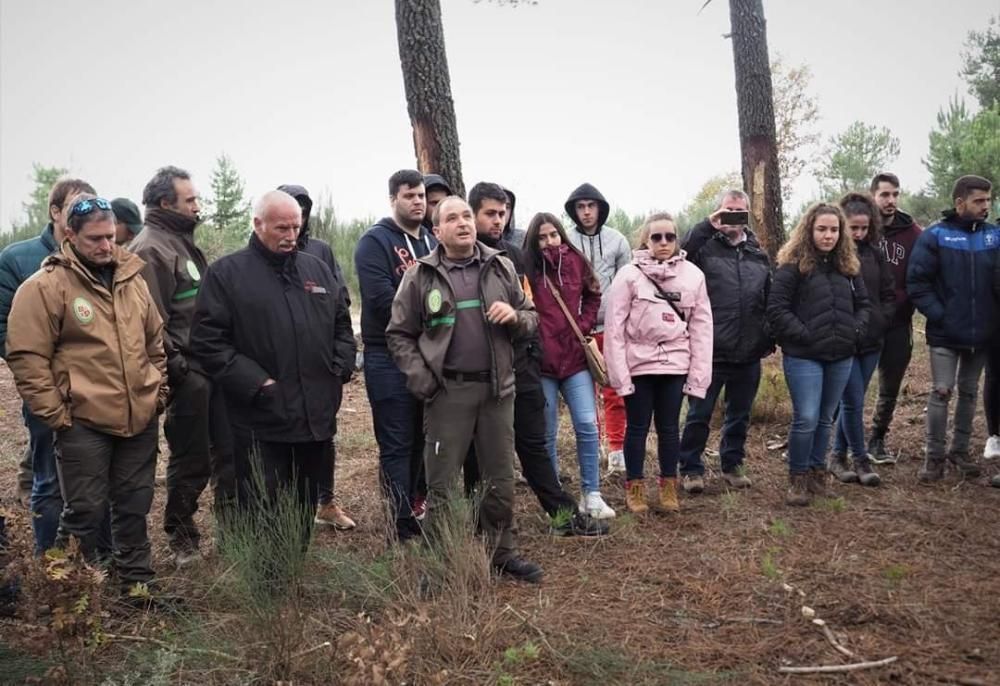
{"type": "Point", "coordinates": [658, 347]}
{"type": "Point", "coordinates": [818, 310]}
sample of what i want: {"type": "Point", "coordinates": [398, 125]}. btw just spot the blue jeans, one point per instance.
{"type": "Point", "coordinates": [740, 382]}
{"type": "Point", "coordinates": [851, 423]}
{"type": "Point", "coordinates": [657, 398]}
{"type": "Point", "coordinates": [46, 498]}
{"type": "Point", "coordinates": [398, 418]}
{"type": "Point", "coordinates": [578, 392]}
{"type": "Point", "coordinates": [816, 388]}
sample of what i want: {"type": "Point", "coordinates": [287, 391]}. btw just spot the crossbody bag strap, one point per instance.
{"type": "Point", "coordinates": [664, 296]}
{"type": "Point", "coordinates": [562, 305]}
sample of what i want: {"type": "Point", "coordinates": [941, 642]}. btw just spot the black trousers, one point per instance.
{"type": "Point", "coordinates": [529, 444]}
{"type": "Point", "coordinates": [991, 388]}
{"type": "Point", "coordinates": [896, 352]}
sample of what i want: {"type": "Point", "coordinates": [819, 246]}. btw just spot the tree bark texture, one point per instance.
{"type": "Point", "coordinates": [428, 90]}
{"type": "Point", "coordinates": [755, 104]}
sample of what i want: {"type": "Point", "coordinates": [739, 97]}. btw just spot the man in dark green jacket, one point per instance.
{"type": "Point", "coordinates": [37, 477]}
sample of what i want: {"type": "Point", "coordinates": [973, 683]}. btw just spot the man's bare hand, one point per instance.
{"type": "Point", "coordinates": [501, 313]}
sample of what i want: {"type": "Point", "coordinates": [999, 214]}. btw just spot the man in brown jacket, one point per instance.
{"type": "Point", "coordinates": [453, 319]}
{"type": "Point", "coordinates": [86, 349]}
{"type": "Point", "coordinates": [173, 272]}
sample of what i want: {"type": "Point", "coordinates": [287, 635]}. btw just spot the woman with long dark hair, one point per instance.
{"type": "Point", "coordinates": [558, 271]}
{"type": "Point", "coordinates": [864, 225]}
{"type": "Point", "coordinates": [818, 310]}
{"type": "Point", "coordinates": [658, 346]}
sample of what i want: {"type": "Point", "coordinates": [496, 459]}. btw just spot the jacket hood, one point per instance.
{"type": "Point", "coordinates": [301, 196]}
{"type": "Point", "coordinates": [389, 224]}
{"type": "Point", "coordinates": [586, 191]}
{"type": "Point", "coordinates": [433, 258]}
{"type": "Point", "coordinates": [127, 264]}
{"type": "Point", "coordinates": [658, 270]}
{"type": "Point", "coordinates": [509, 227]}
{"type": "Point", "coordinates": [952, 218]}
{"type": "Point", "coordinates": [901, 220]}
{"type": "Point", "coordinates": [432, 180]}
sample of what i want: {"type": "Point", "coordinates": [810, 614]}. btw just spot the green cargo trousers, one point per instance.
{"type": "Point", "coordinates": [95, 468]}
{"type": "Point", "coordinates": [466, 413]}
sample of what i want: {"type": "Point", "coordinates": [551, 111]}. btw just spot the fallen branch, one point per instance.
{"type": "Point", "coordinates": [750, 620]}
{"type": "Point", "coordinates": [832, 669]}
{"type": "Point", "coordinates": [324, 644]}
{"type": "Point", "coordinates": [832, 639]}
{"type": "Point", "coordinates": [171, 647]}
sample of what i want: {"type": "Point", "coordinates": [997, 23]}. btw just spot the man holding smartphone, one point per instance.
{"type": "Point", "coordinates": [738, 276]}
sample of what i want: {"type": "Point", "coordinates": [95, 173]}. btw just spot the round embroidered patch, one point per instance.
{"type": "Point", "coordinates": [83, 310]}
{"type": "Point", "coordinates": [192, 270]}
{"type": "Point", "coordinates": [434, 301]}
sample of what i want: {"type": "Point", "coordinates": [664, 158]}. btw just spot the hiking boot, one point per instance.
{"type": "Point", "coordinates": [865, 474]}
{"type": "Point", "coordinates": [737, 479]}
{"type": "Point", "coordinates": [520, 570]}
{"type": "Point", "coordinates": [579, 524]}
{"type": "Point", "coordinates": [692, 483]}
{"type": "Point", "coordinates": [332, 515]}
{"type": "Point", "coordinates": [667, 495]}
{"type": "Point", "coordinates": [799, 494]}
{"type": "Point", "coordinates": [966, 467]}
{"type": "Point", "coordinates": [147, 597]}
{"type": "Point", "coordinates": [185, 557]}
{"type": "Point", "coordinates": [992, 449]}
{"type": "Point", "coordinates": [837, 465]}
{"type": "Point", "coordinates": [593, 504]}
{"type": "Point", "coordinates": [931, 470]}
{"type": "Point", "coordinates": [635, 496]}
{"type": "Point", "coordinates": [616, 461]}
{"type": "Point", "coordinates": [877, 452]}
{"type": "Point", "coordinates": [995, 481]}
{"type": "Point", "coordinates": [819, 483]}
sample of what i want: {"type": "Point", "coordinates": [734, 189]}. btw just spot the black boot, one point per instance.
{"type": "Point", "coordinates": [837, 465]}
{"type": "Point", "coordinates": [866, 475]}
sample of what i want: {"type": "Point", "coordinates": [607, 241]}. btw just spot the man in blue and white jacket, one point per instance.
{"type": "Point", "coordinates": [950, 279]}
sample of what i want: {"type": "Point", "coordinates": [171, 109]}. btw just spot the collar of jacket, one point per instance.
{"type": "Point", "coordinates": [750, 241]}
{"type": "Point", "coordinates": [169, 220]}
{"type": "Point", "coordinates": [952, 218]}
{"type": "Point", "coordinates": [900, 221]}
{"type": "Point", "coordinates": [280, 261]}
{"type": "Point", "coordinates": [48, 237]}
{"type": "Point", "coordinates": [127, 264]}
{"type": "Point", "coordinates": [657, 269]}
{"type": "Point", "coordinates": [433, 258]}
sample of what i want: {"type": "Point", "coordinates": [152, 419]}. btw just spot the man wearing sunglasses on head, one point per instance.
{"type": "Point", "coordinates": [738, 276]}
{"type": "Point", "coordinates": [173, 271]}
{"type": "Point", "coordinates": [86, 349]}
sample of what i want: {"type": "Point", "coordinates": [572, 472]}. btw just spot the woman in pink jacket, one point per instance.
{"type": "Point", "coordinates": [658, 346]}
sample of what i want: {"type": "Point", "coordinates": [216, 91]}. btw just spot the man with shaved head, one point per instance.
{"type": "Point", "coordinates": [272, 328]}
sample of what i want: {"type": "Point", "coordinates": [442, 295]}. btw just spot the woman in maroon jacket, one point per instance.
{"type": "Point", "coordinates": [554, 268]}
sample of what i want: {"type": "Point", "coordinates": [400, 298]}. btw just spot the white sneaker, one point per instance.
{"type": "Point", "coordinates": [593, 504]}
{"type": "Point", "coordinates": [992, 449]}
{"type": "Point", "coordinates": [616, 461]}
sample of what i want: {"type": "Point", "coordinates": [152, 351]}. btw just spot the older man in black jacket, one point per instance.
{"type": "Point", "coordinates": [738, 275]}
{"type": "Point", "coordinates": [273, 329]}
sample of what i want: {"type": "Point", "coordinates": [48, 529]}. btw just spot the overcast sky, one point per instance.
{"type": "Point", "coordinates": [635, 96]}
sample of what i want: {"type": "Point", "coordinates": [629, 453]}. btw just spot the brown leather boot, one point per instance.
{"type": "Point", "coordinates": [667, 492]}
{"type": "Point", "coordinates": [798, 490]}
{"type": "Point", "coordinates": [819, 483]}
{"type": "Point", "coordinates": [635, 496]}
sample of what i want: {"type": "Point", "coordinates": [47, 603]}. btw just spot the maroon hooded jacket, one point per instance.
{"type": "Point", "coordinates": [897, 244]}
{"type": "Point", "coordinates": [570, 272]}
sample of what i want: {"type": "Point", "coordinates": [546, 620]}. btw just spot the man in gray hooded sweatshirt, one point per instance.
{"type": "Point", "coordinates": [608, 251]}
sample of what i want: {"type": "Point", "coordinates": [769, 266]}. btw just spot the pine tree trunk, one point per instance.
{"type": "Point", "coordinates": [428, 89]}
{"type": "Point", "coordinates": [755, 103]}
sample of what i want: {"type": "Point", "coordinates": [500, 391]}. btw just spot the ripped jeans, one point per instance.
{"type": "Point", "coordinates": [951, 368]}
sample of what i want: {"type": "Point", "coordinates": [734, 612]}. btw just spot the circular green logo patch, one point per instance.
{"type": "Point", "coordinates": [434, 301]}
{"type": "Point", "coordinates": [83, 310]}
{"type": "Point", "coordinates": [192, 270]}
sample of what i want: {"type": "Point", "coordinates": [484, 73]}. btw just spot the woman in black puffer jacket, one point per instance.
{"type": "Point", "coordinates": [863, 222]}
{"type": "Point", "coordinates": [818, 311]}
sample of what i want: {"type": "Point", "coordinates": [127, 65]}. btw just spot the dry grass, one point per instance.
{"type": "Point", "coordinates": [711, 596]}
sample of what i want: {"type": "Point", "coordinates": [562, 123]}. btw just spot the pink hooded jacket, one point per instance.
{"type": "Point", "coordinates": [644, 335]}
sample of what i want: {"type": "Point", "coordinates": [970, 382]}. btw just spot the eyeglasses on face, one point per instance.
{"type": "Point", "coordinates": [82, 208]}
{"type": "Point", "coordinates": [660, 237]}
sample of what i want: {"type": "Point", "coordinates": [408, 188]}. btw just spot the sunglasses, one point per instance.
{"type": "Point", "coordinates": [658, 237]}
{"type": "Point", "coordinates": [84, 207]}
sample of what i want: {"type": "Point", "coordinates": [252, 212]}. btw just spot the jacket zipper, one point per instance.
{"type": "Point", "coordinates": [494, 382]}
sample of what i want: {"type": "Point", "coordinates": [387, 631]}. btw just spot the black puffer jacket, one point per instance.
{"type": "Point", "coordinates": [738, 278]}
{"type": "Point", "coordinates": [819, 316]}
{"type": "Point", "coordinates": [876, 272]}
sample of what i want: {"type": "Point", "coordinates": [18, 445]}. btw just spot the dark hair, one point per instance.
{"type": "Point", "coordinates": [966, 184]}
{"type": "Point", "coordinates": [66, 187]}
{"type": "Point", "coordinates": [854, 204]}
{"type": "Point", "coordinates": [531, 240]}
{"type": "Point", "coordinates": [484, 190]}
{"type": "Point", "coordinates": [404, 177]}
{"type": "Point", "coordinates": [161, 186]}
{"type": "Point", "coordinates": [78, 221]}
{"type": "Point", "coordinates": [887, 177]}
